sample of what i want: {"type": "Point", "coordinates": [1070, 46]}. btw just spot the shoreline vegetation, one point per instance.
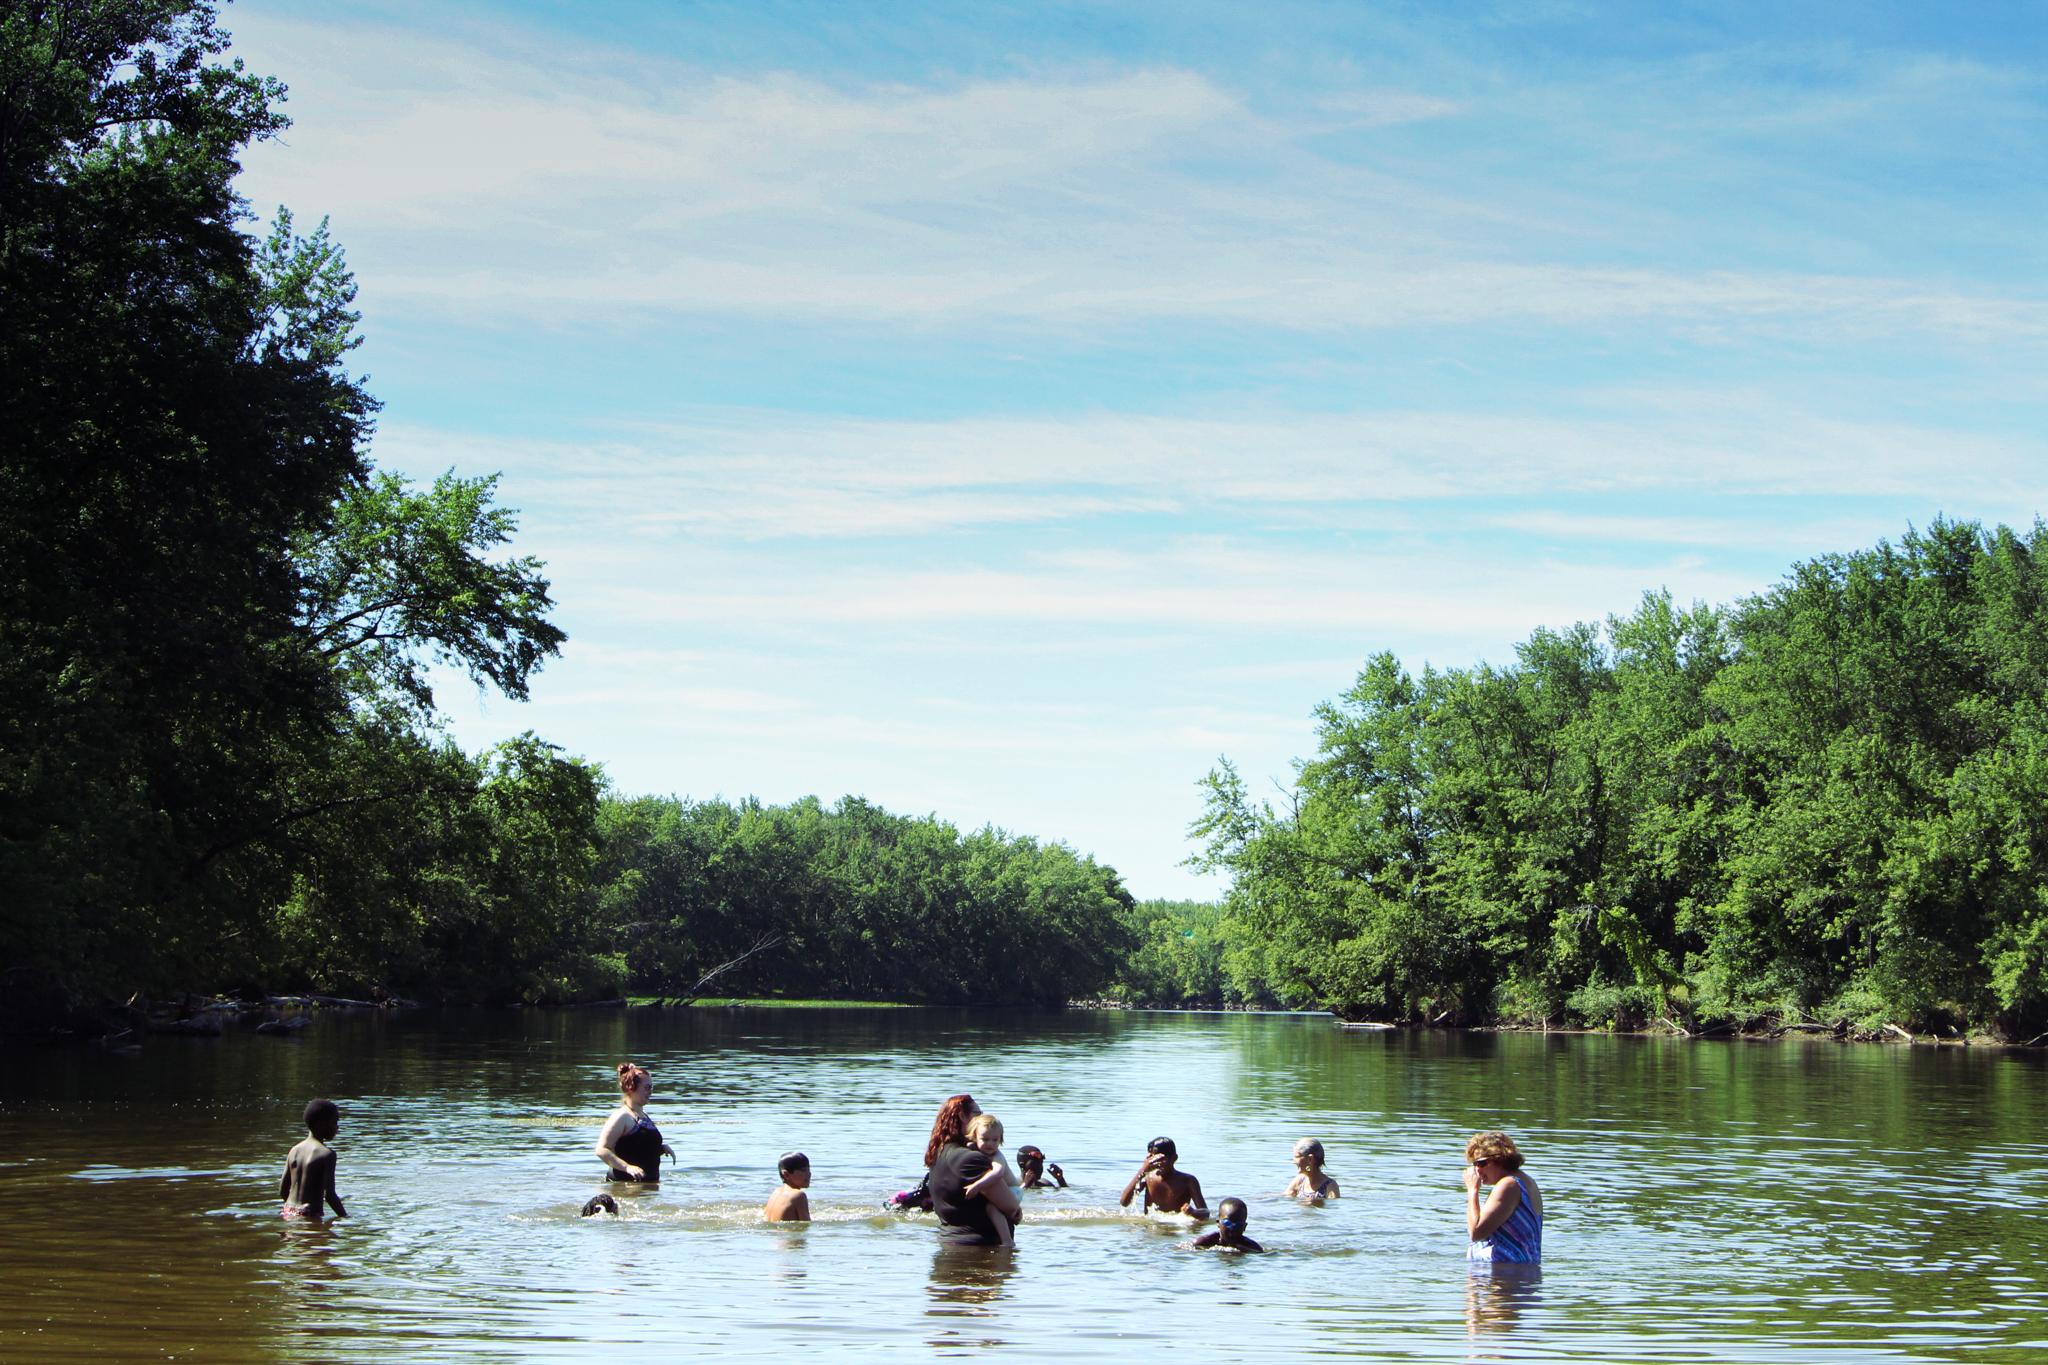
{"type": "Point", "coordinates": [222, 767]}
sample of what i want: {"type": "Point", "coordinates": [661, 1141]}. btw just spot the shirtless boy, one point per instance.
{"type": "Point", "coordinates": [1166, 1189]}
{"type": "Point", "coordinates": [309, 1167]}
{"type": "Point", "coordinates": [789, 1203]}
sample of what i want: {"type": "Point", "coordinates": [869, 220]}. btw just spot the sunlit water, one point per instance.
{"type": "Point", "coordinates": [1707, 1201]}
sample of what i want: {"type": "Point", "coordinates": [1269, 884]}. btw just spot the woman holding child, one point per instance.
{"type": "Point", "coordinates": [955, 1165]}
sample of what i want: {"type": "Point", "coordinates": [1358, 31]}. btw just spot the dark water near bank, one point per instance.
{"type": "Point", "coordinates": [1708, 1201]}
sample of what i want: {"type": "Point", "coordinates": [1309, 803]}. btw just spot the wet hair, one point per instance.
{"type": "Point", "coordinates": [1162, 1144]}
{"type": "Point", "coordinates": [950, 1125]}
{"type": "Point", "coordinates": [1309, 1147]}
{"type": "Point", "coordinates": [792, 1161]}
{"type": "Point", "coordinates": [1494, 1145]}
{"type": "Point", "coordinates": [1028, 1153]}
{"type": "Point", "coordinates": [630, 1076]}
{"type": "Point", "coordinates": [985, 1123]}
{"type": "Point", "coordinates": [1244, 1213]}
{"type": "Point", "coordinates": [601, 1201]}
{"type": "Point", "coordinates": [322, 1116]}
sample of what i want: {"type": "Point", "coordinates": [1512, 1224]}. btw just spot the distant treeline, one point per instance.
{"type": "Point", "coordinates": [1826, 802]}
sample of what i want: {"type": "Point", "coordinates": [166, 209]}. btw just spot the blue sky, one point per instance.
{"type": "Point", "coordinates": [1004, 410]}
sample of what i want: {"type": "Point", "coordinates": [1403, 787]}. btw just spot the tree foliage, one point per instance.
{"type": "Point", "coordinates": [1827, 800]}
{"type": "Point", "coordinates": [864, 903]}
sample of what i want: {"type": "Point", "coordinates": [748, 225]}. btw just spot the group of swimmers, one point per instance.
{"type": "Point", "coordinates": [975, 1191]}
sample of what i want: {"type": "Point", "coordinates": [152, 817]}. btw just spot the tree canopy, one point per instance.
{"type": "Point", "coordinates": [1829, 800]}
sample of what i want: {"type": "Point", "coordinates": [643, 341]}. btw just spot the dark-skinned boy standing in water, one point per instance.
{"type": "Point", "coordinates": [1166, 1189]}
{"type": "Point", "coordinates": [309, 1167]}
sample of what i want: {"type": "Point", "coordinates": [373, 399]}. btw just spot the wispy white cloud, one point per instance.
{"type": "Point", "coordinates": [768, 476]}
{"type": "Point", "coordinates": [543, 190]}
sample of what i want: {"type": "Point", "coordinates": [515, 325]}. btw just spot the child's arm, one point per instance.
{"type": "Point", "coordinates": [800, 1207]}
{"type": "Point", "coordinates": [333, 1195]}
{"type": "Point", "coordinates": [284, 1184]}
{"type": "Point", "coordinates": [1197, 1206]}
{"type": "Point", "coordinates": [996, 1190]}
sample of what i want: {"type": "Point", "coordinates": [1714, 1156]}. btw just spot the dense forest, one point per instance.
{"type": "Point", "coordinates": [1826, 803]}
{"type": "Point", "coordinates": [221, 766]}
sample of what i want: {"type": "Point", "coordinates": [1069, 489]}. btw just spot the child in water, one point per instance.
{"type": "Point", "coordinates": [1231, 1216]}
{"type": "Point", "coordinates": [1309, 1182]}
{"type": "Point", "coordinates": [1032, 1169]}
{"type": "Point", "coordinates": [309, 1167]}
{"type": "Point", "coordinates": [1163, 1186]}
{"type": "Point", "coordinates": [985, 1135]}
{"type": "Point", "coordinates": [789, 1203]}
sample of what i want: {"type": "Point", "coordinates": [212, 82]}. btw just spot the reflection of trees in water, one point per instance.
{"type": "Point", "coordinates": [1496, 1295]}
{"type": "Point", "coordinates": [966, 1282]}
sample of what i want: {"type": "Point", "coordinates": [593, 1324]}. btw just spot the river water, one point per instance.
{"type": "Point", "coordinates": [1724, 1201]}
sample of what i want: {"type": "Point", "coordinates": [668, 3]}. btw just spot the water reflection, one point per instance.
{"type": "Point", "coordinates": [966, 1285]}
{"type": "Point", "coordinates": [1496, 1296]}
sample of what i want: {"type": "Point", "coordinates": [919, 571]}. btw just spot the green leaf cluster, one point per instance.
{"type": "Point", "coordinates": [1825, 802]}
{"type": "Point", "coordinates": [863, 903]}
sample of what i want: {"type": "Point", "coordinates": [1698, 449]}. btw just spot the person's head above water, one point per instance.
{"type": "Point", "coordinates": [632, 1078]}
{"type": "Point", "coordinates": [1495, 1146]}
{"type": "Point", "coordinates": [323, 1119]}
{"type": "Point", "coordinates": [984, 1128]}
{"type": "Point", "coordinates": [950, 1125]}
{"type": "Point", "coordinates": [1231, 1216]}
{"type": "Point", "coordinates": [1030, 1160]}
{"type": "Point", "coordinates": [1311, 1149]}
{"type": "Point", "coordinates": [795, 1169]}
{"type": "Point", "coordinates": [1163, 1146]}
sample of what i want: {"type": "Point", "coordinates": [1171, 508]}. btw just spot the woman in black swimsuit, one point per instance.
{"type": "Point", "coordinates": [630, 1143]}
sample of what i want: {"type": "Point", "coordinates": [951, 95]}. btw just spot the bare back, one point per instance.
{"type": "Point", "coordinates": [309, 1181]}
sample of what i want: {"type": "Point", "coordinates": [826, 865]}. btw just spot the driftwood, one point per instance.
{"type": "Point", "coordinates": [761, 945]}
{"type": "Point", "coordinates": [1677, 1028]}
{"type": "Point", "coordinates": [289, 1024]}
{"type": "Point", "coordinates": [1894, 1028]}
{"type": "Point", "coordinates": [2036, 1041]}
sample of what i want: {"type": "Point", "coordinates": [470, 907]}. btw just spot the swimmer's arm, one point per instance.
{"type": "Point", "coordinates": [1294, 1187]}
{"type": "Point", "coordinates": [1196, 1205]}
{"type": "Point", "coordinates": [616, 1127]}
{"type": "Point", "coordinates": [1053, 1169]}
{"type": "Point", "coordinates": [1500, 1205]}
{"type": "Point", "coordinates": [284, 1184]}
{"type": "Point", "coordinates": [1208, 1239]}
{"type": "Point", "coordinates": [800, 1208]}
{"type": "Point", "coordinates": [1332, 1192]}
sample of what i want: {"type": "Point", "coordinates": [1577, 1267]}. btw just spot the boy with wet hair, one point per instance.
{"type": "Point", "coordinates": [309, 1167]}
{"type": "Point", "coordinates": [1166, 1189]}
{"type": "Point", "coordinates": [1231, 1216]}
{"type": "Point", "coordinates": [789, 1203]}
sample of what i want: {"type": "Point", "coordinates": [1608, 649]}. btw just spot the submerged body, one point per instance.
{"type": "Point", "coordinates": [308, 1181]}
{"type": "Point", "coordinates": [1507, 1228]}
{"type": "Point", "coordinates": [630, 1145]}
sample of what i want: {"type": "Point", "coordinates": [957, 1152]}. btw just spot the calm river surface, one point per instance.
{"type": "Point", "coordinates": [1789, 1201]}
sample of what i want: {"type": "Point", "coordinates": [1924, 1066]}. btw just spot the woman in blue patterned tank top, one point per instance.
{"type": "Point", "coordinates": [1508, 1227]}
